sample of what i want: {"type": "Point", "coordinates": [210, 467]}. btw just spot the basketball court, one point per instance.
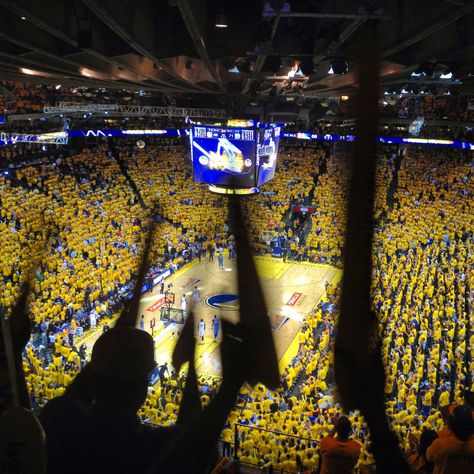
{"type": "Point", "coordinates": [291, 291]}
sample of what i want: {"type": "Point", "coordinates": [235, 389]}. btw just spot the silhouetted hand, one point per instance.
{"type": "Point", "coordinates": [129, 315]}
{"type": "Point", "coordinates": [20, 324]}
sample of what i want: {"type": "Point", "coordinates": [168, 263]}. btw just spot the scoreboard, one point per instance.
{"type": "Point", "coordinates": [227, 133]}
{"type": "Point", "coordinates": [233, 157]}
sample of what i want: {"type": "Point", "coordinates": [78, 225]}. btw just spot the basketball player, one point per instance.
{"type": "Point", "coordinates": [196, 294]}
{"type": "Point", "coordinates": [215, 327]}
{"type": "Point", "coordinates": [201, 330]}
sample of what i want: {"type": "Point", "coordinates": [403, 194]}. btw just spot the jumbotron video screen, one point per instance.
{"type": "Point", "coordinates": [234, 157]}
{"type": "Point", "coordinates": [222, 156]}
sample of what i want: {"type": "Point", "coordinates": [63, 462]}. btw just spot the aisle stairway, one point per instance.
{"type": "Point", "coordinates": [124, 170]}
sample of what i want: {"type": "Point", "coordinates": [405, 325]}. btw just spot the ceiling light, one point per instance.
{"type": "Point", "coordinates": [448, 75]}
{"type": "Point", "coordinates": [425, 69]}
{"type": "Point", "coordinates": [221, 21]}
{"type": "Point", "coordinates": [58, 87]}
{"type": "Point", "coordinates": [30, 72]}
{"type": "Point", "coordinates": [23, 17]}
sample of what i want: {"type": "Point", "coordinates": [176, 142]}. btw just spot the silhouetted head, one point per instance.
{"type": "Point", "coordinates": [469, 399]}
{"type": "Point", "coordinates": [461, 422]}
{"type": "Point", "coordinates": [343, 427]}
{"type": "Point", "coordinates": [445, 414]}
{"type": "Point", "coordinates": [426, 439]}
{"type": "Point", "coordinates": [122, 359]}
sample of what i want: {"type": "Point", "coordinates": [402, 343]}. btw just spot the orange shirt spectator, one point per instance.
{"type": "Point", "coordinates": [340, 455]}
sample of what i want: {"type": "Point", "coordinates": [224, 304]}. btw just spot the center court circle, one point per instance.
{"type": "Point", "coordinates": [223, 301]}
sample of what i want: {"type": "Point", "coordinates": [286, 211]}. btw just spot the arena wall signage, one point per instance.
{"type": "Point", "coordinates": [61, 138]}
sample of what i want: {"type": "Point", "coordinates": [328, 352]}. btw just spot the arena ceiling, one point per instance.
{"type": "Point", "coordinates": [268, 49]}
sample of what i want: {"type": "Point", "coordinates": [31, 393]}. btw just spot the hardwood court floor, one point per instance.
{"type": "Point", "coordinates": [291, 291]}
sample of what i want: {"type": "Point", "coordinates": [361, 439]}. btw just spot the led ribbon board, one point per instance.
{"type": "Point", "coordinates": [61, 138]}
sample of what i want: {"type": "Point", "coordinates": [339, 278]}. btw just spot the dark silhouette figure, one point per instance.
{"type": "Point", "coordinates": [107, 427]}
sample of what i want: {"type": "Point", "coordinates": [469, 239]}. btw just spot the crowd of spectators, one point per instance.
{"type": "Point", "coordinates": [22, 98]}
{"type": "Point", "coordinates": [83, 217]}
